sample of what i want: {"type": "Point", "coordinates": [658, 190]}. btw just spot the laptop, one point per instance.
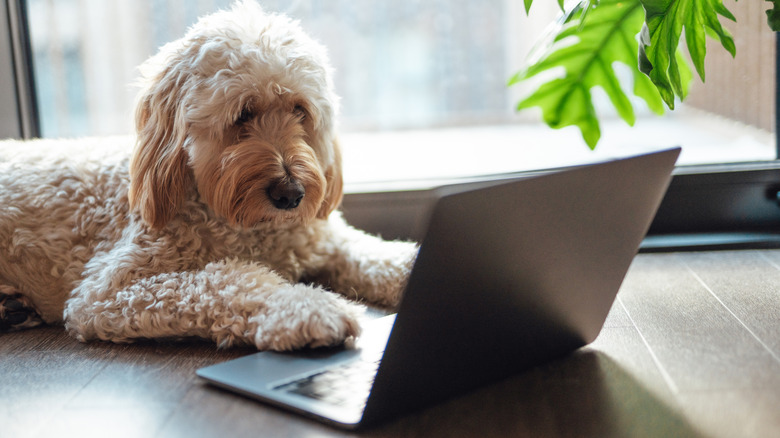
{"type": "Point", "coordinates": [510, 275]}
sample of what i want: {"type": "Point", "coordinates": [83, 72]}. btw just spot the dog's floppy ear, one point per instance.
{"type": "Point", "coordinates": [334, 190]}
{"type": "Point", "coordinates": [159, 167]}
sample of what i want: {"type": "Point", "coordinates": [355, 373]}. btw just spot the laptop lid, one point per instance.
{"type": "Point", "coordinates": [509, 275]}
{"type": "Point", "coordinates": [513, 275]}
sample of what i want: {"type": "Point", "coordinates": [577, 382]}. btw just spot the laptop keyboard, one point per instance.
{"type": "Point", "coordinates": [346, 384]}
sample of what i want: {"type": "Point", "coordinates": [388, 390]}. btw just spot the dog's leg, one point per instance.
{"type": "Point", "coordinates": [365, 267]}
{"type": "Point", "coordinates": [231, 302]}
{"type": "Point", "coordinates": [16, 310]}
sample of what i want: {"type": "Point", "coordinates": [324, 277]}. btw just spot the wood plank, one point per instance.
{"type": "Point", "coordinates": [48, 377]}
{"type": "Point", "coordinates": [96, 421]}
{"type": "Point", "coordinates": [625, 348]}
{"type": "Point", "coordinates": [46, 338]}
{"type": "Point", "coordinates": [748, 285]}
{"type": "Point", "coordinates": [229, 414]}
{"type": "Point", "coordinates": [617, 317]}
{"type": "Point", "coordinates": [750, 413]}
{"type": "Point", "coordinates": [150, 372]}
{"type": "Point", "coordinates": [635, 399]}
{"type": "Point", "coordinates": [697, 341]}
{"type": "Point", "coordinates": [37, 385]}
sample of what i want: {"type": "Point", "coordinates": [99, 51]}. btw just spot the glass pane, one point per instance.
{"type": "Point", "coordinates": [423, 84]}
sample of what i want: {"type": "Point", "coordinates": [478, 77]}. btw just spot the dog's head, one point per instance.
{"type": "Point", "coordinates": [242, 109]}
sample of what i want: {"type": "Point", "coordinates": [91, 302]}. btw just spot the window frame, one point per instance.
{"type": "Point", "coordinates": [726, 205]}
{"type": "Point", "coordinates": [18, 104]}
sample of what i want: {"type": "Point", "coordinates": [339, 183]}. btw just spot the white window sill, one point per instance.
{"type": "Point", "coordinates": [421, 159]}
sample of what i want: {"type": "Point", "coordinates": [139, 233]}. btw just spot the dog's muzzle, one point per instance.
{"type": "Point", "coordinates": [286, 194]}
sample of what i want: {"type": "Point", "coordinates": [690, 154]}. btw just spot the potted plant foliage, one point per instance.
{"type": "Point", "coordinates": [643, 34]}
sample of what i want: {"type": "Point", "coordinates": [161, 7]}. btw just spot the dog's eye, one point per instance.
{"type": "Point", "coordinates": [300, 111]}
{"type": "Point", "coordinates": [245, 115]}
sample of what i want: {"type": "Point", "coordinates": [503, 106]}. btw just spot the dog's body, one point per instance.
{"type": "Point", "coordinates": [220, 224]}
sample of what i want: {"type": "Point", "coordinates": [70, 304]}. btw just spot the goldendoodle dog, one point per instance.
{"type": "Point", "coordinates": [221, 223]}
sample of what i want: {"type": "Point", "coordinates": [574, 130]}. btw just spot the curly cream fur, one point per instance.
{"type": "Point", "coordinates": [180, 237]}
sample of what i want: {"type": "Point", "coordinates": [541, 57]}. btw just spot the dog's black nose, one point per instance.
{"type": "Point", "coordinates": [286, 194]}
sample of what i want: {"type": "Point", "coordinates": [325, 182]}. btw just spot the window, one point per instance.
{"type": "Point", "coordinates": [423, 80]}
{"type": "Point", "coordinates": [18, 117]}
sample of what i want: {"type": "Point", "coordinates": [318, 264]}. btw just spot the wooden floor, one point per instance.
{"type": "Point", "coordinates": [691, 348]}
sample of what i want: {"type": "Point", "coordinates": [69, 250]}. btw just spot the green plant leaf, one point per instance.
{"type": "Point", "coordinates": [660, 38]}
{"type": "Point", "coordinates": [606, 36]}
{"type": "Point", "coordinates": [527, 5]}
{"type": "Point", "coordinates": [773, 15]}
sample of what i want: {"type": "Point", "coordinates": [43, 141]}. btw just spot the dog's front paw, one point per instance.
{"type": "Point", "coordinates": [310, 317]}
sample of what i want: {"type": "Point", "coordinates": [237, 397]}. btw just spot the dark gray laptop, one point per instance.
{"type": "Point", "coordinates": [509, 276]}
